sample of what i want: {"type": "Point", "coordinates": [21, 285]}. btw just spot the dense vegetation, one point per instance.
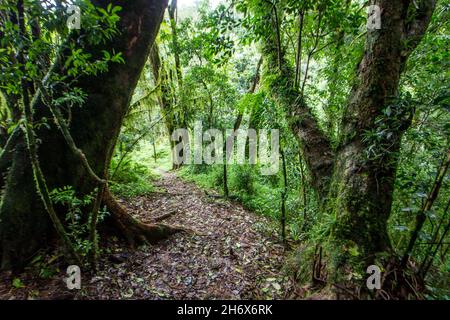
{"type": "Point", "coordinates": [363, 115]}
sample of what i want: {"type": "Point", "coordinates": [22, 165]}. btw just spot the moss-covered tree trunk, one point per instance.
{"type": "Point", "coordinates": [356, 179]}
{"type": "Point", "coordinates": [165, 96]}
{"type": "Point", "coordinates": [24, 225]}
{"type": "Point", "coordinates": [364, 173]}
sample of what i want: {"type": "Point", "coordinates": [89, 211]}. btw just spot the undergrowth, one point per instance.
{"type": "Point", "coordinates": [131, 179]}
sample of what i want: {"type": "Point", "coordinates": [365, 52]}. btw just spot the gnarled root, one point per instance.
{"type": "Point", "coordinates": [135, 231]}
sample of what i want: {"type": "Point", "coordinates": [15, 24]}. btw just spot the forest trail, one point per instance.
{"type": "Point", "coordinates": [230, 255]}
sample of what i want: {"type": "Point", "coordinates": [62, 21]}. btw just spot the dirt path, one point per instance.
{"type": "Point", "coordinates": [231, 255]}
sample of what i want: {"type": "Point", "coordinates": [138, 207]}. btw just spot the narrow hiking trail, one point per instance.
{"type": "Point", "coordinates": [230, 255]}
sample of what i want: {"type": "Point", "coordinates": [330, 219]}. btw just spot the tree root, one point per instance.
{"type": "Point", "coordinates": [165, 216]}
{"type": "Point", "coordinates": [135, 231]}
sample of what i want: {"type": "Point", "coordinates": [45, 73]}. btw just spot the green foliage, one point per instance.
{"type": "Point", "coordinates": [17, 283]}
{"type": "Point", "coordinates": [131, 179]}
{"type": "Point", "coordinates": [243, 179]}
{"type": "Point", "coordinates": [396, 115]}
{"type": "Point", "coordinates": [219, 49]}
{"type": "Point", "coordinates": [45, 265]}
{"type": "Point", "coordinates": [204, 176]}
{"type": "Point", "coordinates": [423, 149]}
{"type": "Point", "coordinates": [99, 26]}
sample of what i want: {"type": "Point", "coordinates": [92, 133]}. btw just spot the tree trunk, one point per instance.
{"type": "Point", "coordinates": [24, 225]}
{"type": "Point", "coordinates": [315, 145]}
{"type": "Point", "coordinates": [176, 47]}
{"type": "Point", "coordinates": [365, 182]}
{"type": "Point", "coordinates": [355, 188]}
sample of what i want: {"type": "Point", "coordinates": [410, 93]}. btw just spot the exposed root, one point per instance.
{"type": "Point", "coordinates": [165, 216]}
{"type": "Point", "coordinates": [135, 231]}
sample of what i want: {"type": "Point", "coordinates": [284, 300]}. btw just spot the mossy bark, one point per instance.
{"type": "Point", "coordinates": [363, 183]}
{"type": "Point", "coordinates": [356, 190]}
{"type": "Point", "coordinates": [24, 224]}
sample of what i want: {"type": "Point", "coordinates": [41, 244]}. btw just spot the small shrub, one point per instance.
{"type": "Point", "coordinates": [76, 218]}
{"type": "Point", "coordinates": [243, 179]}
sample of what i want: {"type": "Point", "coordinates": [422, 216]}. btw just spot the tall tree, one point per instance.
{"type": "Point", "coordinates": [358, 186]}
{"type": "Point", "coordinates": [24, 225]}
{"type": "Point", "coordinates": [165, 96]}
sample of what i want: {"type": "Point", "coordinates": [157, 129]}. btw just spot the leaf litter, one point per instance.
{"type": "Point", "coordinates": [227, 256]}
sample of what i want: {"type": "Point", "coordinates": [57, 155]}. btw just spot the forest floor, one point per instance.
{"type": "Point", "coordinates": [231, 254]}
